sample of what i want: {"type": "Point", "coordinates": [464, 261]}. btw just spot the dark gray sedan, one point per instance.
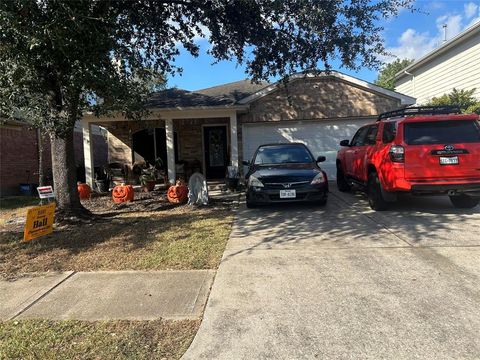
{"type": "Point", "coordinates": [285, 173]}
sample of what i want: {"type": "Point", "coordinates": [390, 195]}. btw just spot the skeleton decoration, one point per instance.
{"type": "Point", "coordinates": [198, 191]}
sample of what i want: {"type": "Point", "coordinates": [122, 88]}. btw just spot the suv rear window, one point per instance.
{"type": "Point", "coordinates": [442, 132]}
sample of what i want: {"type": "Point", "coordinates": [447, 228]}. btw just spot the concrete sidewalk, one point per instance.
{"type": "Point", "coordinates": [107, 295]}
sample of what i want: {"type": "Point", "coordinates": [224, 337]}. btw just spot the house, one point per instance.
{"type": "Point", "coordinates": [208, 129]}
{"type": "Point", "coordinates": [455, 64]}
{"type": "Point", "coordinates": [19, 154]}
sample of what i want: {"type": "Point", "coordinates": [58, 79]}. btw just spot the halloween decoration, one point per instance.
{"type": "Point", "coordinates": [177, 193]}
{"type": "Point", "coordinates": [84, 191]}
{"type": "Point", "coordinates": [198, 190]}
{"type": "Point", "coordinates": [122, 193]}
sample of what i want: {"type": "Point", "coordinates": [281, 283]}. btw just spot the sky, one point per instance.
{"type": "Point", "coordinates": [410, 35]}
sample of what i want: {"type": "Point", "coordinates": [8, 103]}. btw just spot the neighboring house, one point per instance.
{"type": "Point", "coordinates": [208, 129]}
{"type": "Point", "coordinates": [455, 64]}
{"type": "Point", "coordinates": [19, 155]}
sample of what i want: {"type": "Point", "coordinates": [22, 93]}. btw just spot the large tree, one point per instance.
{"type": "Point", "coordinates": [57, 56]}
{"type": "Point", "coordinates": [386, 75]}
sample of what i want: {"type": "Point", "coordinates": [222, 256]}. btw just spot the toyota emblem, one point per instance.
{"type": "Point", "coordinates": [449, 147]}
{"type": "Point", "coordinates": [287, 185]}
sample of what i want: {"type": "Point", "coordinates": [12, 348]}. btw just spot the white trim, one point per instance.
{"type": "Point", "coordinates": [472, 30]}
{"type": "Point", "coordinates": [204, 161]}
{"type": "Point", "coordinates": [173, 114]}
{"type": "Point", "coordinates": [88, 153]}
{"type": "Point", "coordinates": [169, 137]}
{"type": "Point", "coordinates": [234, 139]}
{"type": "Point", "coordinates": [404, 99]}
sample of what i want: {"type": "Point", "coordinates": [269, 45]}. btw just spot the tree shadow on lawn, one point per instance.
{"type": "Point", "coordinates": [117, 241]}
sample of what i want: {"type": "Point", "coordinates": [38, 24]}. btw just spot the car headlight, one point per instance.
{"type": "Point", "coordinates": [253, 181]}
{"type": "Point", "coordinates": [318, 179]}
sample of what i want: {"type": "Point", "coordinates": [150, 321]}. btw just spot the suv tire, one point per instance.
{"type": "Point", "coordinates": [374, 192]}
{"type": "Point", "coordinates": [464, 201]}
{"type": "Point", "coordinates": [342, 183]}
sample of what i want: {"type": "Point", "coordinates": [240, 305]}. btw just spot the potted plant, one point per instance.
{"type": "Point", "coordinates": [148, 179]}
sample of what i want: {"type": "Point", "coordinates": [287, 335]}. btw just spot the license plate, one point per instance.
{"type": "Point", "coordinates": [288, 194]}
{"type": "Point", "coordinates": [451, 160]}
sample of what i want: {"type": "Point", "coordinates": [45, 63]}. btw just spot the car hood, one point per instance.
{"type": "Point", "coordinates": [285, 172]}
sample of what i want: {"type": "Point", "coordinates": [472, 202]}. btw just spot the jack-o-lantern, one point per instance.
{"type": "Point", "coordinates": [178, 193]}
{"type": "Point", "coordinates": [122, 193]}
{"type": "Point", "coordinates": [84, 191]}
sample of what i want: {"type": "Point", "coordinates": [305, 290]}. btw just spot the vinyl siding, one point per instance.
{"type": "Point", "coordinates": [459, 68]}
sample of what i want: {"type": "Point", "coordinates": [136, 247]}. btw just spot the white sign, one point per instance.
{"type": "Point", "coordinates": [45, 192]}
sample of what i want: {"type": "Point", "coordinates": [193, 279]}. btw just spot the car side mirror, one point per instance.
{"type": "Point", "coordinates": [345, 143]}
{"type": "Point", "coordinates": [246, 162]}
{"type": "Point", "coordinates": [321, 159]}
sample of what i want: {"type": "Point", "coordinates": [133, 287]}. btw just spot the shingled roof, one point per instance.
{"type": "Point", "coordinates": [221, 95]}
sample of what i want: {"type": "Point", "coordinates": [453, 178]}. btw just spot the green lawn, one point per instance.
{"type": "Point", "coordinates": [46, 339]}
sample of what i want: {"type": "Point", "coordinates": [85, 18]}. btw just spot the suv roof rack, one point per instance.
{"type": "Point", "coordinates": [421, 110]}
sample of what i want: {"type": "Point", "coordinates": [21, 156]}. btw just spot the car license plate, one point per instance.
{"type": "Point", "coordinates": [451, 160]}
{"type": "Point", "coordinates": [288, 194]}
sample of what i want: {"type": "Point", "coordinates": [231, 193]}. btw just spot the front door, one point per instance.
{"type": "Point", "coordinates": [215, 143]}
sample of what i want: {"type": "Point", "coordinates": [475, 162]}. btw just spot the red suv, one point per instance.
{"type": "Point", "coordinates": [420, 150]}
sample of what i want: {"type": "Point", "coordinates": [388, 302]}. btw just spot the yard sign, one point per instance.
{"type": "Point", "coordinates": [39, 221]}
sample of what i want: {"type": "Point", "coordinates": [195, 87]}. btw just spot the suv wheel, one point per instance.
{"type": "Point", "coordinates": [374, 192]}
{"type": "Point", "coordinates": [342, 183]}
{"type": "Point", "coordinates": [464, 201]}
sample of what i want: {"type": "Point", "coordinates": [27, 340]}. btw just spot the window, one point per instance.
{"type": "Point", "coordinates": [442, 132]}
{"type": "Point", "coordinates": [389, 131]}
{"type": "Point", "coordinates": [359, 138]}
{"type": "Point", "coordinates": [371, 137]}
{"type": "Point", "coordinates": [283, 154]}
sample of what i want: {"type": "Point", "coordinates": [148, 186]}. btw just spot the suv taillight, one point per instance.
{"type": "Point", "coordinates": [397, 153]}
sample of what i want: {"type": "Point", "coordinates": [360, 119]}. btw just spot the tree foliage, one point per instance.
{"type": "Point", "coordinates": [57, 57]}
{"type": "Point", "coordinates": [464, 99]}
{"type": "Point", "coordinates": [386, 76]}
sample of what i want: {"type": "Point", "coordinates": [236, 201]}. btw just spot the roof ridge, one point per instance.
{"type": "Point", "coordinates": [230, 83]}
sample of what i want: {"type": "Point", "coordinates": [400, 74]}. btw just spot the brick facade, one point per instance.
{"type": "Point", "coordinates": [318, 98]}
{"type": "Point", "coordinates": [19, 156]}
{"type": "Point", "coordinates": [189, 137]}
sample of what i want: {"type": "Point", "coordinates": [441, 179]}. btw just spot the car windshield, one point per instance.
{"type": "Point", "coordinates": [283, 154]}
{"type": "Point", "coordinates": [442, 132]}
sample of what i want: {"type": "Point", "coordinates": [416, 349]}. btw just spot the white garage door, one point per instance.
{"type": "Point", "coordinates": [321, 137]}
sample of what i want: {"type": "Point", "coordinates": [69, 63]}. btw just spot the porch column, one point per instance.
{"type": "Point", "coordinates": [170, 150]}
{"type": "Point", "coordinates": [233, 140]}
{"type": "Point", "coordinates": [88, 152]}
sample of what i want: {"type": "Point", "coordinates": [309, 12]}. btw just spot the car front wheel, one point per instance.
{"type": "Point", "coordinates": [375, 196]}
{"type": "Point", "coordinates": [464, 201]}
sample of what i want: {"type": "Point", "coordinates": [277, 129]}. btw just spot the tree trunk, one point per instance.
{"type": "Point", "coordinates": [41, 174]}
{"type": "Point", "coordinates": [65, 177]}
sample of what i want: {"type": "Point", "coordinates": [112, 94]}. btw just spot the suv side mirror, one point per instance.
{"type": "Point", "coordinates": [321, 159]}
{"type": "Point", "coordinates": [345, 143]}
{"type": "Point", "coordinates": [246, 162]}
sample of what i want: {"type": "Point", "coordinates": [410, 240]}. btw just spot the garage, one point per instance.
{"type": "Point", "coordinates": [322, 137]}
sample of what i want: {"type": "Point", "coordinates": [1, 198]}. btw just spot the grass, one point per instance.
{"type": "Point", "coordinates": [178, 238]}
{"type": "Point", "coordinates": [47, 339]}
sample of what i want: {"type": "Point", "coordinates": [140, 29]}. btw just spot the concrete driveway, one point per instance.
{"type": "Point", "coordinates": [345, 282]}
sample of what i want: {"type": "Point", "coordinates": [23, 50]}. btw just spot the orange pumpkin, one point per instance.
{"type": "Point", "coordinates": [122, 193]}
{"type": "Point", "coordinates": [177, 194]}
{"type": "Point", "coordinates": [84, 191]}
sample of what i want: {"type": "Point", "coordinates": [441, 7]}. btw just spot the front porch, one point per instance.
{"type": "Point", "coordinates": [186, 141]}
